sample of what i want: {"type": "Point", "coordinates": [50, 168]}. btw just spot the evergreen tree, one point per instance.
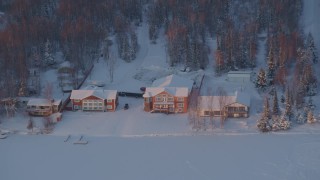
{"type": "Point", "coordinates": [266, 110]}
{"type": "Point", "coordinates": [288, 105]}
{"type": "Point", "coordinates": [271, 66]}
{"type": "Point", "coordinates": [310, 103]}
{"type": "Point", "coordinates": [48, 58]}
{"type": "Point", "coordinates": [282, 99]}
{"type": "Point", "coordinates": [261, 82]}
{"type": "Point", "coordinates": [312, 48]}
{"type": "Point", "coordinates": [275, 108]}
{"type": "Point", "coordinates": [284, 123]}
{"type": "Point", "coordinates": [263, 123]}
{"type": "Point", "coordinates": [309, 81]}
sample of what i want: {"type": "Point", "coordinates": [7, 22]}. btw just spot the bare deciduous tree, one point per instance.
{"type": "Point", "coordinates": [211, 106]}
{"type": "Point", "coordinates": [111, 65]}
{"type": "Point", "coordinates": [30, 124]}
{"type": "Point", "coordinates": [222, 98]}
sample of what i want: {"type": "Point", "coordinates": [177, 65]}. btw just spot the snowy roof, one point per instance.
{"type": "Point", "coordinates": [175, 91]}
{"type": "Point", "coordinates": [206, 101]}
{"type": "Point", "coordinates": [65, 64]}
{"type": "Point", "coordinates": [173, 81]}
{"type": "Point", "coordinates": [56, 102]}
{"type": "Point", "coordinates": [101, 93]}
{"type": "Point", "coordinates": [39, 102]}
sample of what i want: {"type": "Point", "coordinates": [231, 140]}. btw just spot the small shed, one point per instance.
{"type": "Point", "coordinates": [239, 76]}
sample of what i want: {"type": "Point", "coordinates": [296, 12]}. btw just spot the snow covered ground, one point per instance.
{"type": "Point", "coordinates": [263, 157]}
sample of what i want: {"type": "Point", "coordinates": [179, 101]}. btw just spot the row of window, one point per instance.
{"type": "Point", "coordinates": [180, 105]}
{"type": "Point", "coordinates": [170, 99]}
{"type": "Point", "coordinates": [38, 107]}
{"type": "Point", "coordinates": [92, 104]}
{"type": "Point", "coordinates": [92, 108]}
{"type": "Point", "coordinates": [237, 109]}
{"type": "Point", "coordinates": [92, 101]}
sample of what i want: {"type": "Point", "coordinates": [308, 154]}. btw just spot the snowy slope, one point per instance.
{"type": "Point", "coordinates": [310, 19]}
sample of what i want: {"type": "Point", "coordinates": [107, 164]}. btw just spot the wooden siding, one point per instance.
{"type": "Point", "coordinates": [166, 106]}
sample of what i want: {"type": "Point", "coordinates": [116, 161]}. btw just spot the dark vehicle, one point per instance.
{"type": "Point", "coordinates": [143, 89]}
{"type": "Point", "coordinates": [130, 94]}
{"type": "Point", "coordinates": [126, 106]}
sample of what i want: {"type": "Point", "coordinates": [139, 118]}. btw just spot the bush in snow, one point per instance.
{"type": "Point", "coordinates": [281, 124]}
{"type": "Point", "coordinates": [264, 124]}
{"type": "Point", "coordinates": [300, 119]}
{"type": "Point", "coordinates": [311, 118]}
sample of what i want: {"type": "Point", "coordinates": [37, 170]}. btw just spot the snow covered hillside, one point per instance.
{"type": "Point", "coordinates": [310, 19]}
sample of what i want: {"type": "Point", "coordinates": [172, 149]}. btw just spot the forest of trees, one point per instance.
{"type": "Point", "coordinates": [36, 29]}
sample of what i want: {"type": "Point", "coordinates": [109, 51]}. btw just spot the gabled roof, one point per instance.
{"type": "Point", "coordinates": [101, 94]}
{"type": "Point", "coordinates": [39, 102]}
{"type": "Point", "coordinates": [174, 91]}
{"type": "Point", "coordinates": [212, 102]}
{"type": "Point", "coordinates": [239, 73]}
{"type": "Point", "coordinates": [173, 81]}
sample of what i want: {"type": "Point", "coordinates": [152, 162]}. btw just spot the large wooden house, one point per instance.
{"type": "Point", "coordinates": [169, 94]}
{"type": "Point", "coordinates": [94, 100]}
{"type": "Point", "coordinates": [167, 100]}
{"type": "Point", "coordinates": [236, 105]}
{"type": "Point", "coordinates": [43, 107]}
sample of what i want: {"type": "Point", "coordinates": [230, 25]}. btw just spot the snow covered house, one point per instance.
{"type": "Point", "coordinates": [166, 99]}
{"type": "Point", "coordinates": [43, 107]}
{"type": "Point", "coordinates": [173, 81]}
{"type": "Point", "coordinates": [235, 105]}
{"type": "Point", "coordinates": [169, 95]}
{"type": "Point", "coordinates": [94, 100]}
{"type": "Point", "coordinates": [239, 76]}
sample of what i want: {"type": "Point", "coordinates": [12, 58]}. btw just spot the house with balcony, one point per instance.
{"type": "Point", "coordinates": [234, 105]}
{"type": "Point", "coordinates": [43, 107]}
{"type": "Point", "coordinates": [94, 100]}
{"type": "Point", "coordinates": [166, 99]}
{"type": "Point", "coordinates": [169, 94]}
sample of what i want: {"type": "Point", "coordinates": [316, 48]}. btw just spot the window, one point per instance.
{"type": "Point", "coordinates": [180, 99]}
{"type": "Point", "coordinates": [75, 107]}
{"type": "Point", "coordinates": [216, 113]}
{"type": "Point", "coordinates": [100, 103]}
{"type": "Point", "coordinates": [206, 113]}
{"type": "Point", "coordinates": [170, 98]}
{"type": "Point", "coordinates": [158, 98]}
{"type": "Point", "coordinates": [180, 104]}
{"type": "Point", "coordinates": [109, 100]}
{"type": "Point", "coordinates": [85, 108]}
{"type": "Point", "coordinates": [76, 100]}
{"type": "Point", "coordinates": [146, 100]}
{"type": "Point", "coordinates": [109, 107]}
